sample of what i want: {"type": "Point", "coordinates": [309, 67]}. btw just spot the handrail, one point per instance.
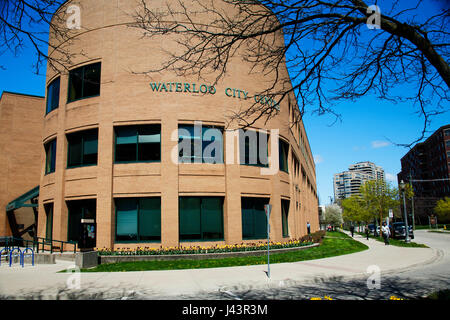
{"type": "Point", "coordinates": [45, 241]}
{"type": "Point", "coordinates": [10, 243]}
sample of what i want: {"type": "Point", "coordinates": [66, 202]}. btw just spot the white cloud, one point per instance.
{"type": "Point", "coordinates": [318, 159]}
{"type": "Point", "coordinates": [391, 177]}
{"type": "Point", "coordinates": [380, 144]}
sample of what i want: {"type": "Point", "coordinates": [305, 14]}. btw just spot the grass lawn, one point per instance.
{"type": "Point", "coordinates": [335, 244]}
{"type": "Point", "coordinates": [396, 242]}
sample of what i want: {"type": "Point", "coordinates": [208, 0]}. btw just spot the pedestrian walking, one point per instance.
{"type": "Point", "coordinates": [308, 226]}
{"type": "Point", "coordinates": [352, 229]}
{"type": "Point", "coordinates": [386, 232]}
{"type": "Point", "coordinates": [366, 230]}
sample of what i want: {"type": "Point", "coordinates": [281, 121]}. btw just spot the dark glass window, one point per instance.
{"type": "Point", "coordinates": [254, 220]}
{"type": "Point", "coordinates": [138, 219]}
{"type": "Point", "coordinates": [50, 156]}
{"type": "Point", "coordinates": [79, 209]}
{"type": "Point", "coordinates": [283, 154]}
{"type": "Point", "coordinates": [49, 223]}
{"type": "Point", "coordinates": [84, 82]}
{"type": "Point", "coordinates": [83, 148]}
{"type": "Point", "coordinates": [210, 144]}
{"type": "Point", "coordinates": [253, 148]}
{"type": "Point", "coordinates": [53, 95]}
{"type": "Point", "coordinates": [201, 218]}
{"type": "Point", "coordinates": [138, 143]}
{"type": "Point", "coordinates": [284, 217]}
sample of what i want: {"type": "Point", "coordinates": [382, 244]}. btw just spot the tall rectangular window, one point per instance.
{"type": "Point", "coordinates": [284, 217]}
{"type": "Point", "coordinates": [82, 148]}
{"type": "Point", "coordinates": [201, 218]}
{"type": "Point", "coordinates": [49, 222]}
{"type": "Point", "coordinates": [84, 82]}
{"type": "Point", "coordinates": [138, 143]}
{"type": "Point", "coordinates": [79, 209]}
{"type": "Point", "coordinates": [50, 156]}
{"type": "Point", "coordinates": [283, 154]}
{"type": "Point", "coordinates": [53, 95]}
{"type": "Point", "coordinates": [209, 141]}
{"type": "Point", "coordinates": [138, 219]}
{"type": "Point", "coordinates": [253, 148]}
{"type": "Point", "coordinates": [254, 220]}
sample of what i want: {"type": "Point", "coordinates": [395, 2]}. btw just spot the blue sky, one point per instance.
{"type": "Point", "coordinates": [363, 134]}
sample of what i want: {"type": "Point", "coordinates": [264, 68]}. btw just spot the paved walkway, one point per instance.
{"type": "Point", "coordinates": [43, 280]}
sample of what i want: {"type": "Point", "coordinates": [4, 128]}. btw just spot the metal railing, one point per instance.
{"type": "Point", "coordinates": [38, 244]}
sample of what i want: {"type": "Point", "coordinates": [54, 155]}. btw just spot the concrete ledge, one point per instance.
{"type": "Point", "coordinates": [39, 258]}
{"type": "Point", "coordinates": [198, 256]}
{"type": "Point", "coordinates": [86, 259]}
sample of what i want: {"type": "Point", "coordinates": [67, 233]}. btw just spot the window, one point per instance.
{"type": "Point", "coordinates": [83, 148]}
{"type": "Point", "coordinates": [253, 148]}
{"type": "Point", "coordinates": [79, 209]}
{"type": "Point", "coordinates": [50, 156]}
{"type": "Point", "coordinates": [284, 216]}
{"type": "Point", "coordinates": [447, 143]}
{"type": "Point", "coordinates": [84, 82]}
{"type": "Point", "coordinates": [49, 223]}
{"type": "Point", "coordinates": [254, 220]}
{"type": "Point", "coordinates": [53, 95]}
{"type": "Point", "coordinates": [283, 154]}
{"type": "Point", "coordinates": [201, 218]}
{"type": "Point", "coordinates": [138, 143]}
{"type": "Point", "coordinates": [138, 219]}
{"type": "Point", "coordinates": [209, 140]}
{"type": "Point", "coordinates": [447, 132]}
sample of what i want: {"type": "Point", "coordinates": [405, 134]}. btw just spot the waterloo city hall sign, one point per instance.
{"type": "Point", "coordinates": [194, 88]}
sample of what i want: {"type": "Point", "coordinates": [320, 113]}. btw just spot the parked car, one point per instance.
{"type": "Point", "coordinates": [398, 230]}
{"type": "Point", "coordinates": [372, 229]}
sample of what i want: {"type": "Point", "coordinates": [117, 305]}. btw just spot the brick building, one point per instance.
{"type": "Point", "coordinates": [427, 166]}
{"type": "Point", "coordinates": [110, 151]}
{"type": "Point", "coordinates": [20, 160]}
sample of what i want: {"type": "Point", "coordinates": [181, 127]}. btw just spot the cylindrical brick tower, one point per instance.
{"type": "Point", "coordinates": [111, 135]}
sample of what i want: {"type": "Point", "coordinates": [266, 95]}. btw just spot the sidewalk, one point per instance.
{"type": "Point", "coordinates": [18, 281]}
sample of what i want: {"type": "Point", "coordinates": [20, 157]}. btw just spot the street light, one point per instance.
{"type": "Point", "coordinates": [402, 188]}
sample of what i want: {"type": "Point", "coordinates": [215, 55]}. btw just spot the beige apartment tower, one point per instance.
{"type": "Point", "coordinates": [112, 155]}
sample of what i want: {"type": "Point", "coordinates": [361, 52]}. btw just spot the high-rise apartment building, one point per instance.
{"type": "Point", "coordinates": [347, 183]}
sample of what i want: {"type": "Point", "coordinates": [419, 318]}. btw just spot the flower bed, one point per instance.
{"type": "Point", "coordinates": [145, 251]}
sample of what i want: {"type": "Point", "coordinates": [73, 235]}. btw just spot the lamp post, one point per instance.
{"type": "Point", "coordinates": [402, 188]}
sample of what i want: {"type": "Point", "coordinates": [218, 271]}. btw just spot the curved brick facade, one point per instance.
{"type": "Point", "coordinates": [127, 98]}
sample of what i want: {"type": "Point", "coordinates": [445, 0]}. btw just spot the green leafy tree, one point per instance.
{"type": "Point", "coordinates": [442, 209]}
{"type": "Point", "coordinates": [379, 196]}
{"type": "Point", "coordinates": [355, 209]}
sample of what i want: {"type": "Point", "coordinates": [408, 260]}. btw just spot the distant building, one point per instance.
{"type": "Point", "coordinates": [348, 183]}
{"type": "Point", "coordinates": [427, 166]}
